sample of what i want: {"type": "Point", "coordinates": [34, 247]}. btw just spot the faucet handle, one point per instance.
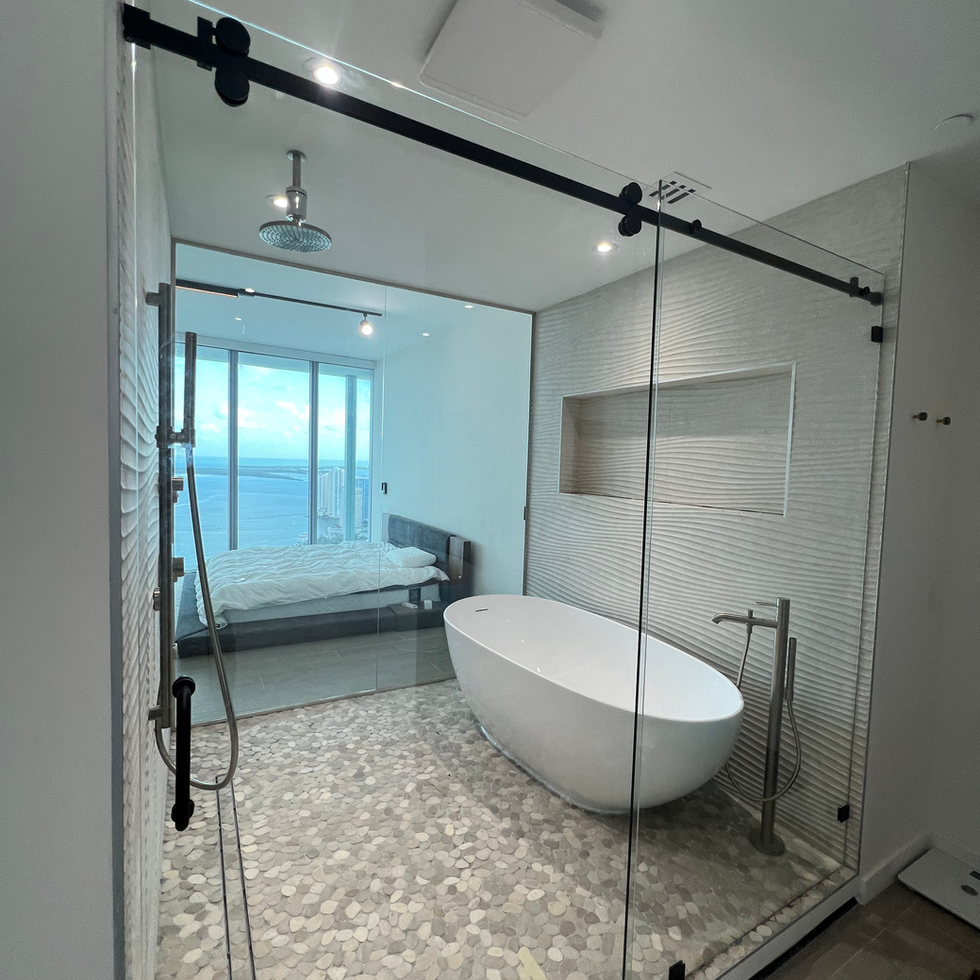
{"type": "Point", "coordinates": [765, 605]}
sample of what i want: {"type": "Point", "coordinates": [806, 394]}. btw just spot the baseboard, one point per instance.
{"type": "Point", "coordinates": [953, 849]}
{"type": "Point", "coordinates": [878, 878]}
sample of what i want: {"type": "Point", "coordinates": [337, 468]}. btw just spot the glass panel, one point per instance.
{"type": "Point", "coordinates": [273, 451]}
{"type": "Point", "coordinates": [424, 847]}
{"type": "Point", "coordinates": [344, 408]}
{"type": "Point", "coordinates": [362, 458]}
{"type": "Point", "coordinates": [211, 454]}
{"type": "Point", "coordinates": [471, 815]}
{"type": "Point", "coordinates": [758, 490]}
{"type": "Point", "coordinates": [332, 461]}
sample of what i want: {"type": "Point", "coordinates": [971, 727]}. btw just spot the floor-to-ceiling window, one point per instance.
{"type": "Point", "coordinates": [273, 427]}
{"type": "Point", "coordinates": [283, 451]}
{"type": "Point", "coordinates": [344, 455]}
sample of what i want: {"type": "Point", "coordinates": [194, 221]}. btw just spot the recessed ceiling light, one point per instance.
{"type": "Point", "coordinates": [468, 306]}
{"type": "Point", "coordinates": [960, 121]}
{"type": "Point", "coordinates": [425, 335]}
{"type": "Point", "coordinates": [326, 74]}
{"type": "Point", "coordinates": [238, 318]}
{"type": "Point", "coordinates": [279, 200]}
{"type": "Point", "coordinates": [604, 247]}
{"type": "Point", "coordinates": [366, 327]}
{"type": "Point", "coordinates": [249, 290]}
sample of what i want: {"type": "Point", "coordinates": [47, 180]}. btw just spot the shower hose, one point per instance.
{"type": "Point", "coordinates": [791, 782]}
{"type": "Point", "coordinates": [219, 662]}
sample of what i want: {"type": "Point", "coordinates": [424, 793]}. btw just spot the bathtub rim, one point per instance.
{"type": "Point", "coordinates": [638, 714]}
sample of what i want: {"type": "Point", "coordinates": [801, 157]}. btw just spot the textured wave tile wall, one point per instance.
{"type": "Point", "coordinates": [722, 313]}
{"type": "Point", "coordinates": [143, 242]}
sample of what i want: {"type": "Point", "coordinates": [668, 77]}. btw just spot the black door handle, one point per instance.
{"type": "Point", "coordinates": [183, 808]}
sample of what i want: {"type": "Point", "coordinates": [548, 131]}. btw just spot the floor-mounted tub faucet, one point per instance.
{"type": "Point", "coordinates": [783, 668]}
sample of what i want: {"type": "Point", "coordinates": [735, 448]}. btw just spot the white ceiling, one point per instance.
{"type": "Point", "coordinates": [770, 104]}
{"type": "Point", "coordinates": [401, 317]}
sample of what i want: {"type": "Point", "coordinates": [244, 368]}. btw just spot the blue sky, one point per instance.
{"type": "Point", "coordinates": [273, 408]}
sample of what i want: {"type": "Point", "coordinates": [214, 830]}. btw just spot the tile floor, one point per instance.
{"type": "Point", "coordinates": [271, 678]}
{"type": "Point", "coordinates": [898, 936]}
{"type": "Point", "coordinates": [382, 835]}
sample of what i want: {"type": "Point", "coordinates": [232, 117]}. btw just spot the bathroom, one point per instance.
{"type": "Point", "coordinates": [650, 461]}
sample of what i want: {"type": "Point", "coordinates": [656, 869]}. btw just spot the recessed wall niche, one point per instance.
{"type": "Point", "coordinates": [721, 440]}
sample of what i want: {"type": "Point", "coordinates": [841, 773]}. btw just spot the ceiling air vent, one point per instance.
{"type": "Point", "coordinates": [509, 55]}
{"type": "Point", "coordinates": [675, 187]}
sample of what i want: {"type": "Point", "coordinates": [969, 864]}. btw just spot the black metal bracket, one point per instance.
{"type": "Point", "coordinates": [225, 48]}
{"type": "Point", "coordinates": [877, 335]}
{"type": "Point", "coordinates": [844, 813]}
{"type": "Point", "coordinates": [631, 222]}
{"type": "Point", "coordinates": [677, 971]}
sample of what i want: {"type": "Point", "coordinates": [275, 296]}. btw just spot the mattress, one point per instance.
{"type": "Point", "coordinates": [332, 604]}
{"type": "Point", "coordinates": [264, 577]}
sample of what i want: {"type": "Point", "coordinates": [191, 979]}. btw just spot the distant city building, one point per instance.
{"type": "Point", "coordinates": [332, 498]}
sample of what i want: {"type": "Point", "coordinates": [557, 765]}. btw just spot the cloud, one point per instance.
{"type": "Point", "coordinates": [302, 413]}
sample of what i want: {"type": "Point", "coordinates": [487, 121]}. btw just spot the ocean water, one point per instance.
{"type": "Point", "coordinates": [273, 502]}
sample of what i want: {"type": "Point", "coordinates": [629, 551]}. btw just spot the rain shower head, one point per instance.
{"type": "Point", "coordinates": [294, 233]}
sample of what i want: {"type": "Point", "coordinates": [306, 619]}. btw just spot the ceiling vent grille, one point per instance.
{"type": "Point", "coordinates": [675, 187]}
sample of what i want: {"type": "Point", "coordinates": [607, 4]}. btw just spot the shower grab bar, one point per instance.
{"type": "Point", "coordinates": [183, 808]}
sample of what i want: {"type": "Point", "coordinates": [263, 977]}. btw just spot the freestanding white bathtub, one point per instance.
{"type": "Point", "coordinates": [554, 688]}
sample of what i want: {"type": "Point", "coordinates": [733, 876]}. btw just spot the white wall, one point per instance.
{"type": "Point", "coordinates": [923, 784]}
{"type": "Point", "coordinates": [955, 790]}
{"type": "Point", "coordinates": [455, 437]}
{"type": "Point", "coordinates": [56, 751]}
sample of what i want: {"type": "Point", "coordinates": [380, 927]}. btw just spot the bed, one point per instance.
{"type": "Point", "coordinates": [292, 604]}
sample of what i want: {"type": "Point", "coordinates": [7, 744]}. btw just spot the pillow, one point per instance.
{"type": "Point", "coordinates": [410, 557]}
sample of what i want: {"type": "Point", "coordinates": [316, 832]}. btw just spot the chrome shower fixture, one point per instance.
{"type": "Point", "coordinates": [295, 234]}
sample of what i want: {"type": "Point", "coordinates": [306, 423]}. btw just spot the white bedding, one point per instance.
{"type": "Point", "coordinates": [254, 577]}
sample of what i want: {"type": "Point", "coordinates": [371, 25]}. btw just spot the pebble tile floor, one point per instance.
{"type": "Point", "coordinates": [383, 836]}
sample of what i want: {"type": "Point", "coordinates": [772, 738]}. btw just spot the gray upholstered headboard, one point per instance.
{"type": "Point", "coordinates": [453, 553]}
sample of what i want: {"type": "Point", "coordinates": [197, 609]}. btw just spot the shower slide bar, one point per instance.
{"type": "Point", "coordinates": [224, 47]}
{"type": "Point", "coordinates": [178, 691]}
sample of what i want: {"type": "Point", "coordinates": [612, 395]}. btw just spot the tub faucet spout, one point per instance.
{"type": "Point", "coordinates": [750, 620]}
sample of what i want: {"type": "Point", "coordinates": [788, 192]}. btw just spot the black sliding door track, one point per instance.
{"type": "Point", "coordinates": [224, 47]}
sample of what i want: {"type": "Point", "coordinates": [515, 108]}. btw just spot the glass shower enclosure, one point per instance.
{"type": "Point", "coordinates": [627, 434]}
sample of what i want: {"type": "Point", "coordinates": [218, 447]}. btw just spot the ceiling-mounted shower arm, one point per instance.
{"type": "Point", "coordinates": [295, 195]}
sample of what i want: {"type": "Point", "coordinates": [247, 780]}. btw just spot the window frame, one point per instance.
{"type": "Point", "coordinates": [353, 369]}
